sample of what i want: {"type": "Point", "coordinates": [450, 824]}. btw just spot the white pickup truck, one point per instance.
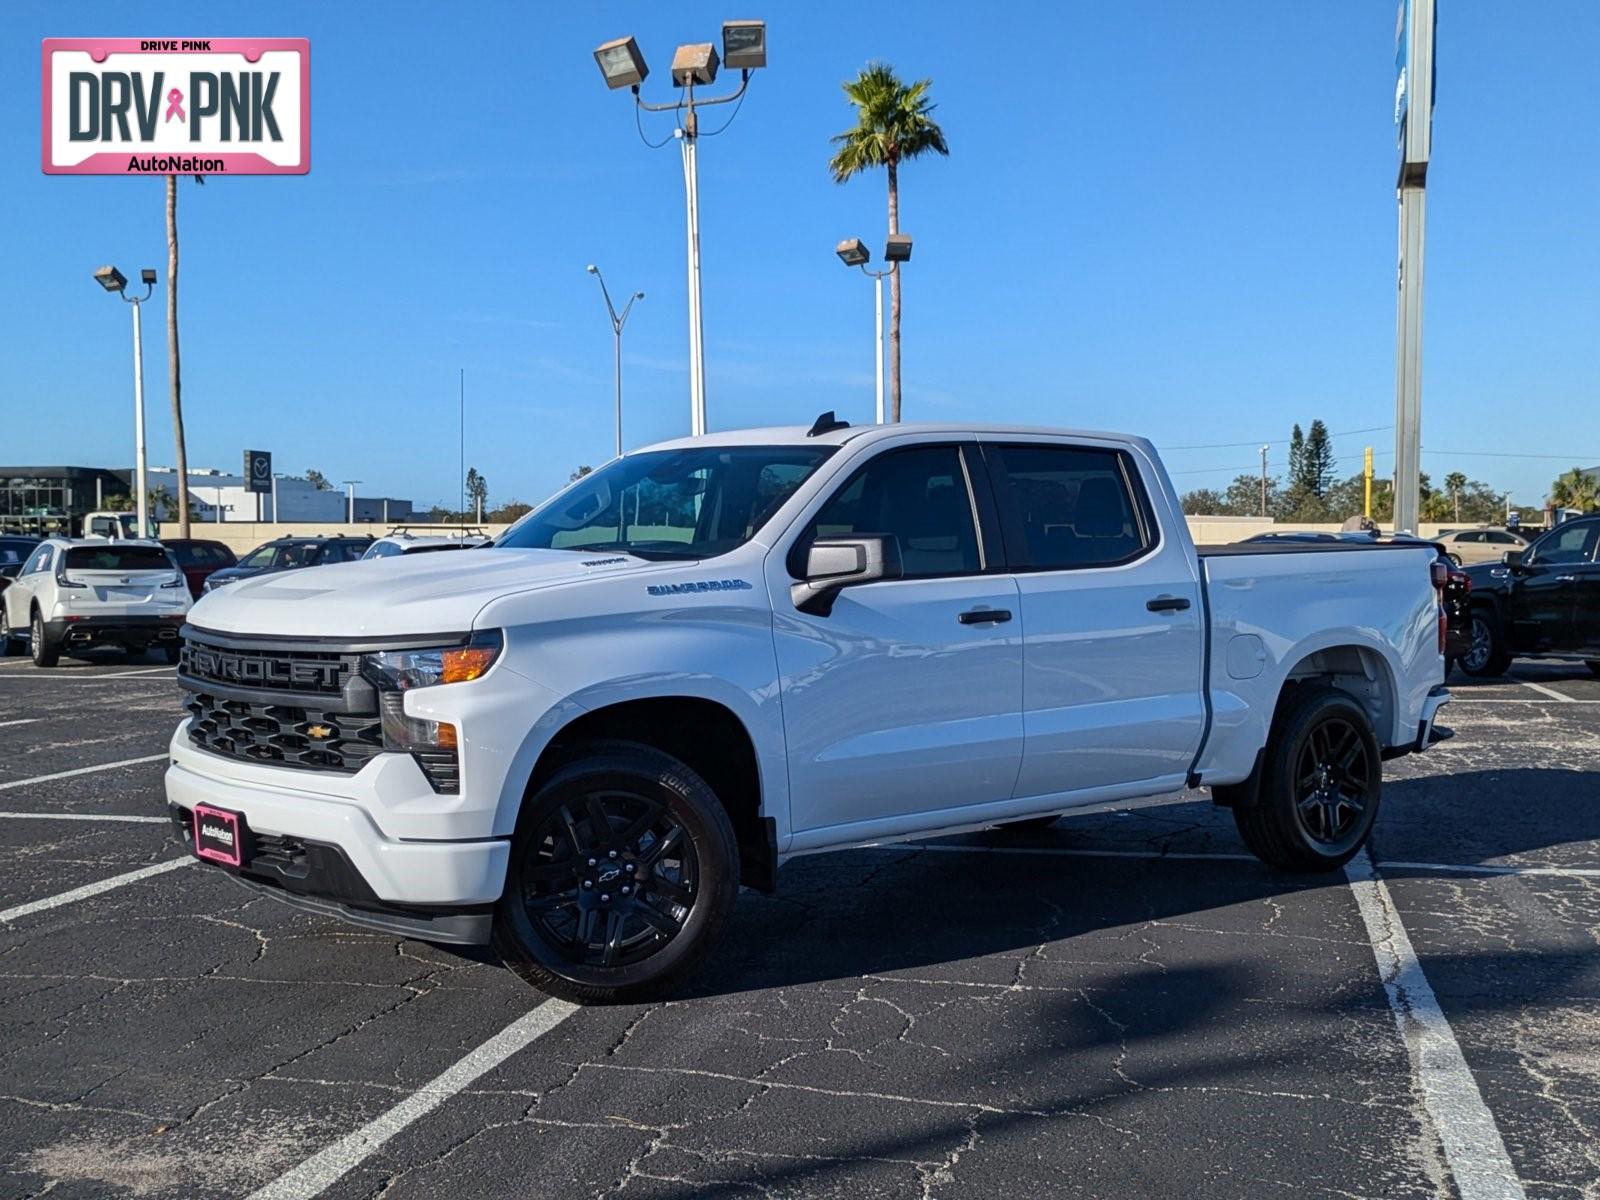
{"type": "Point", "coordinates": [712, 654]}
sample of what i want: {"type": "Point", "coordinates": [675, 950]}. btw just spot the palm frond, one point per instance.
{"type": "Point", "coordinates": [894, 122]}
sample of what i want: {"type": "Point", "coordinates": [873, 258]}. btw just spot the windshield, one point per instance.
{"type": "Point", "coordinates": [694, 503]}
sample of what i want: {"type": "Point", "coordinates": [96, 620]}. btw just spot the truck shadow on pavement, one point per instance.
{"type": "Point", "coordinates": [951, 906]}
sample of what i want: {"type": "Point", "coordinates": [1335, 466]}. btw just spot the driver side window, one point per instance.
{"type": "Point", "coordinates": [1572, 544]}
{"type": "Point", "coordinates": [918, 495]}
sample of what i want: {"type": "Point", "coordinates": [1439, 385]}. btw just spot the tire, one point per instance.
{"type": "Point", "coordinates": [666, 836]}
{"type": "Point", "coordinates": [1322, 779]}
{"type": "Point", "coordinates": [1487, 656]}
{"type": "Point", "coordinates": [10, 643]}
{"type": "Point", "coordinates": [44, 653]}
{"type": "Point", "coordinates": [1455, 559]}
{"type": "Point", "coordinates": [172, 653]}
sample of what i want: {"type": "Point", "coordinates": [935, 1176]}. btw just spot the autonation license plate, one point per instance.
{"type": "Point", "coordinates": [219, 835]}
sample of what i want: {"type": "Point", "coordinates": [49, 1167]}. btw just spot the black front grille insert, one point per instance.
{"type": "Point", "coordinates": [304, 672]}
{"type": "Point", "coordinates": [286, 735]}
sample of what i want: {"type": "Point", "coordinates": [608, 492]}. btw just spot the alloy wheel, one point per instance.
{"type": "Point", "coordinates": [610, 879]}
{"type": "Point", "coordinates": [1333, 780]}
{"type": "Point", "coordinates": [1477, 656]}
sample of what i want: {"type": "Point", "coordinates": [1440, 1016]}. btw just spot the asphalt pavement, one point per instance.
{"type": "Point", "coordinates": [1124, 1004]}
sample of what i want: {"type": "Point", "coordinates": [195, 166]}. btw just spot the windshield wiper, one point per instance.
{"type": "Point", "coordinates": [635, 551]}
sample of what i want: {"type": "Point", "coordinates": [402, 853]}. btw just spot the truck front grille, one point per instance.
{"type": "Point", "coordinates": [285, 735]}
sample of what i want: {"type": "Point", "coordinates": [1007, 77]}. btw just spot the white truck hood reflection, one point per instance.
{"type": "Point", "coordinates": [414, 593]}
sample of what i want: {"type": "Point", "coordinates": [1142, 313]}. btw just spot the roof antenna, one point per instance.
{"type": "Point", "coordinates": [826, 423]}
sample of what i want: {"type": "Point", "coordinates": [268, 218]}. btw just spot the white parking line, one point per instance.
{"type": "Point", "coordinates": [121, 675]}
{"type": "Point", "coordinates": [1486, 869]}
{"type": "Point", "coordinates": [49, 816]}
{"type": "Point", "coordinates": [1546, 691]}
{"type": "Point", "coordinates": [126, 762]}
{"type": "Point", "coordinates": [1473, 1148]}
{"type": "Point", "coordinates": [21, 721]}
{"type": "Point", "coordinates": [1513, 700]}
{"type": "Point", "coordinates": [140, 671]}
{"type": "Point", "coordinates": [92, 889]}
{"type": "Point", "coordinates": [327, 1166]}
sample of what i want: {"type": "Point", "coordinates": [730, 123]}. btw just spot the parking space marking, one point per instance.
{"type": "Point", "coordinates": [19, 721]}
{"type": "Point", "coordinates": [131, 674]}
{"type": "Point", "coordinates": [1473, 1147]}
{"type": "Point", "coordinates": [126, 762]}
{"type": "Point", "coordinates": [49, 816]}
{"type": "Point", "coordinates": [326, 1167]}
{"type": "Point", "coordinates": [92, 889]}
{"type": "Point", "coordinates": [1487, 869]}
{"type": "Point", "coordinates": [1546, 691]}
{"type": "Point", "coordinates": [1514, 700]}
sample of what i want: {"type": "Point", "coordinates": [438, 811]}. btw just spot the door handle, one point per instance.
{"type": "Point", "coordinates": [1167, 604]}
{"type": "Point", "coordinates": [981, 616]}
{"type": "Point", "coordinates": [1566, 579]}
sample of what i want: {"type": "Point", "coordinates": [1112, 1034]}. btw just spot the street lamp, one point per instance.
{"type": "Point", "coordinates": [617, 322]}
{"type": "Point", "coordinates": [350, 488]}
{"type": "Point", "coordinates": [744, 48]}
{"type": "Point", "coordinates": [114, 281]}
{"type": "Point", "coordinates": [853, 253]}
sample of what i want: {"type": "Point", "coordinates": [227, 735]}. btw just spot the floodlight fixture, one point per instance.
{"type": "Point", "coordinates": [694, 64]}
{"type": "Point", "coordinates": [111, 279]}
{"type": "Point", "coordinates": [898, 248]}
{"type": "Point", "coordinates": [147, 276]}
{"type": "Point", "coordinates": [621, 63]}
{"type": "Point", "coordinates": [744, 45]}
{"type": "Point", "coordinates": [853, 252]}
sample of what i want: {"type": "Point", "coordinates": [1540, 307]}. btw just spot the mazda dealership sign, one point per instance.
{"type": "Point", "coordinates": [172, 106]}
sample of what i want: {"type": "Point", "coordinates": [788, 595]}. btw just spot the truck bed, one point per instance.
{"type": "Point", "coordinates": [1231, 549]}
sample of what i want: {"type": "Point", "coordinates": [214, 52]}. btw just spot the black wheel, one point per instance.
{"type": "Point", "coordinates": [623, 875]}
{"type": "Point", "coordinates": [10, 643]}
{"type": "Point", "coordinates": [44, 653]}
{"type": "Point", "coordinates": [1322, 778]}
{"type": "Point", "coordinates": [1487, 656]}
{"type": "Point", "coordinates": [1455, 559]}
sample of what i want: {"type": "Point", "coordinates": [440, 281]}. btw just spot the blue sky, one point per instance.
{"type": "Point", "coordinates": [1172, 218]}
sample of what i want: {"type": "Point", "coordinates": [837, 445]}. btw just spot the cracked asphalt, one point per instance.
{"type": "Point", "coordinates": [1123, 1004]}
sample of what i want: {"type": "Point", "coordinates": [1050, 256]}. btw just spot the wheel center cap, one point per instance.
{"type": "Point", "coordinates": [608, 873]}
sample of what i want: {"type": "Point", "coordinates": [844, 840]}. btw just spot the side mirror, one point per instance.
{"type": "Point", "coordinates": [833, 564]}
{"type": "Point", "coordinates": [1512, 558]}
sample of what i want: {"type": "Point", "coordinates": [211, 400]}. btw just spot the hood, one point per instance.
{"type": "Point", "coordinates": [397, 596]}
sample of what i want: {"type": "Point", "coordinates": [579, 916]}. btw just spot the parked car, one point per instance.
{"type": "Point", "coordinates": [1468, 546]}
{"type": "Point", "coordinates": [289, 554]}
{"type": "Point", "coordinates": [1541, 601]}
{"type": "Point", "coordinates": [406, 542]}
{"type": "Point", "coordinates": [198, 559]}
{"type": "Point", "coordinates": [14, 551]}
{"type": "Point", "coordinates": [73, 595]}
{"type": "Point", "coordinates": [713, 654]}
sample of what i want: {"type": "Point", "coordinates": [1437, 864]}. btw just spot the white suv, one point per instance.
{"type": "Point", "coordinates": [72, 594]}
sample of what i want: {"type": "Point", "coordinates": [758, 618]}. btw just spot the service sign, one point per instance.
{"type": "Point", "coordinates": [177, 106]}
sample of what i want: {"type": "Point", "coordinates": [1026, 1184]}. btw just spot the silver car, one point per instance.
{"type": "Point", "coordinates": [1467, 546]}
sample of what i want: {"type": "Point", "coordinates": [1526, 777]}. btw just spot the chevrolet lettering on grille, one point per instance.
{"type": "Point", "coordinates": [261, 669]}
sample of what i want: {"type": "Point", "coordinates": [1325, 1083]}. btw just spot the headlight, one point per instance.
{"type": "Point", "coordinates": [402, 670]}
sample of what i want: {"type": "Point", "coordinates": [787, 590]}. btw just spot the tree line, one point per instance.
{"type": "Point", "coordinates": [1312, 491]}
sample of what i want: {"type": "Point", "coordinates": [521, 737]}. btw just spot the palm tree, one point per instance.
{"type": "Point", "coordinates": [1574, 489]}
{"type": "Point", "coordinates": [174, 372]}
{"type": "Point", "coordinates": [894, 123]}
{"type": "Point", "coordinates": [1455, 483]}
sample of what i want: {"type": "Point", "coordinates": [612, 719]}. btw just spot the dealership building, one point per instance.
{"type": "Point", "coordinates": [215, 496]}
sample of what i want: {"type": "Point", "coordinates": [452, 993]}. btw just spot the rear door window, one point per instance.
{"type": "Point", "coordinates": [1066, 507]}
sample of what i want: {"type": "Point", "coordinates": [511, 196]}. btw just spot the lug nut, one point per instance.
{"type": "Point", "coordinates": [612, 854]}
{"type": "Point", "coordinates": [591, 862]}
{"type": "Point", "coordinates": [588, 883]}
{"type": "Point", "coordinates": [604, 899]}
{"type": "Point", "coordinates": [626, 889]}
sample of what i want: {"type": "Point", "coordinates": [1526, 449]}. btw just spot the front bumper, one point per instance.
{"type": "Point", "coordinates": [327, 853]}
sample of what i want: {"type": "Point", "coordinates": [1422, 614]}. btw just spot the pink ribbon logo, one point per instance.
{"type": "Point", "coordinates": [175, 106]}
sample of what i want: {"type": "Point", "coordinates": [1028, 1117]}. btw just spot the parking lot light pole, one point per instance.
{"type": "Point", "coordinates": [1414, 115]}
{"type": "Point", "coordinates": [113, 280]}
{"type": "Point", "coordinates": [350, 512]}
{"type": "Point", "coordinates": [617, 322]}
{"type": "Point", "coordinates": [744, 48]}
{"type": "Point", "coordinates": [853, 253]}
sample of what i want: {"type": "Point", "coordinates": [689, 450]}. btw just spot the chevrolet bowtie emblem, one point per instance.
{"type": "Point", "coordinates": [319, 731]}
